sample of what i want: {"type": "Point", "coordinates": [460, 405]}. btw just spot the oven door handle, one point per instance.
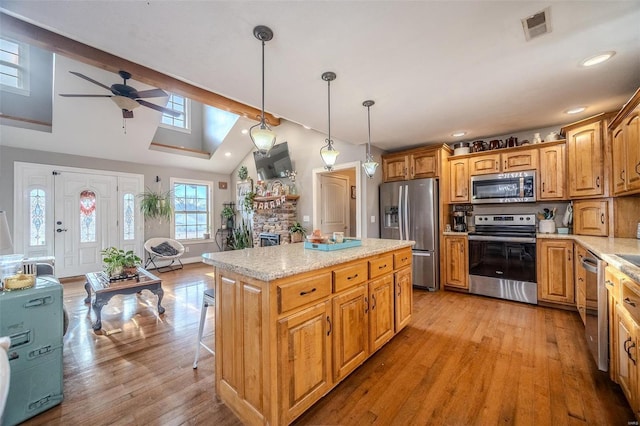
{"type": "Point", "coordinates": [502, 239]}
{"type": "Point", "coordinates": [589, 265]}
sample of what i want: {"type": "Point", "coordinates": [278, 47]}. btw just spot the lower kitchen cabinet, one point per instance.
{"type": "Point", "coordinates": [403, 298]}
{"type": "Point", "coordinates": [304, 347]}
{"type": "Point", "coordinates": [350, 330]}
{"type": "Point", "coordinates": [381, 312]}
{"type": "Point", "coordinates": [456, 264]}
{"type": "Point", "coordinates": [555, 271]}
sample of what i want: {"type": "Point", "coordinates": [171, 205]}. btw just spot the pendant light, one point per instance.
{"type": "Point", "coordinates": [261, 134]}
{"type": "Point", "coordinates": [328, 153]}
{"type": "Point", "coordinates": [369, 165]}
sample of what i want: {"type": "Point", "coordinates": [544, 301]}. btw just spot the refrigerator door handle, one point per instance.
{"type": "Point", "coordinates": [400, 212]}
{"type": "Point", "coordinates": [406, 212]}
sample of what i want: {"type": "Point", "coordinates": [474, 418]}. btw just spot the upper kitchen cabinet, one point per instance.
{"type": "Point", "coordinates": [512, 161]}
{"type": "Point", "coordinates": [458, 180]}
{"type": "Point", "coordinates": [625, 140]}
{"type": "Point", "coordinates": [551, 173]}
{"type": "Point", "coordinates": [413, 164]}
{"type": "Point", "coordinates": [586, 157]}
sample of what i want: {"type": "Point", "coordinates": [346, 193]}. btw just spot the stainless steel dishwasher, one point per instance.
{"type": "Point", "coordinates": [596, 327]}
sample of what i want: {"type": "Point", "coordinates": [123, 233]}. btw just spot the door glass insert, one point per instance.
{"type": "Point", "coordinates": [37, 224]}
{"type": "Point", "coordinates": [87, 217]}
{"type": "Point", "coordinates": [129, 217]}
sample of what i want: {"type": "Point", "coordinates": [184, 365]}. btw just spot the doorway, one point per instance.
{"type": "Point", "coordinates": [337, 199]}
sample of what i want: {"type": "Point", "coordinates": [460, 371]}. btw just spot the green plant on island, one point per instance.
{"type": "Point", "coordinates": [117, 261]}
{"type": "Point", "coordinates": [297, 228]}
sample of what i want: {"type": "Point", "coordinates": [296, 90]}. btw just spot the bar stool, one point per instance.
{"type": "Point", "coordinates": [208, 299]}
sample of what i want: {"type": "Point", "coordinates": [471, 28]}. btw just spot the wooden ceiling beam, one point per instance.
{"type": "Point", "coordinates": [81, 52]}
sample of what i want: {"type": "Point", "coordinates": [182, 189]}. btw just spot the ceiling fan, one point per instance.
{"type": "Point", "coordinates": [126, 97]}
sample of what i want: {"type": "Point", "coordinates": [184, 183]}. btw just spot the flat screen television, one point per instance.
{"type": "Point", "coordinates": [275, 164]}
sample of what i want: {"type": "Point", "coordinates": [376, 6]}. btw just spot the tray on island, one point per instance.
{"type": "Point", "coordinates": [347, 243]}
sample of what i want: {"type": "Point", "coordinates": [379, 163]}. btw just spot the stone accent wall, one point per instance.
{"type": "Point", "coordinates": [276, 220]}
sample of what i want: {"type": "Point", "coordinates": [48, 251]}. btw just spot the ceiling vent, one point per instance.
{"type": "Point", "coordinates": [537, 25]}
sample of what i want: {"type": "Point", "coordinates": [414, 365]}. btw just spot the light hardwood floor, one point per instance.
{"type": "Point", "coordinates": [462, 360]}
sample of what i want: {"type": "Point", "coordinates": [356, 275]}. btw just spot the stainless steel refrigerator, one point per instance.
{"type": "Point", "coordinates": [409, 211]}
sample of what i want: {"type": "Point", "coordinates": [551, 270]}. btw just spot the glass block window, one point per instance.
{"type": "Point", "coordinates": [128, 205]}
{"type": "Point", "coordinates": [181, 122]}
{"type": "Point", "coordinates": [14, 67]}
{"type": "Point", "coordinates": [37, 223]}
{"type": "Point", "coordinates": [191, 210]}
{"type": "Point", "coordinates": [87, 217]}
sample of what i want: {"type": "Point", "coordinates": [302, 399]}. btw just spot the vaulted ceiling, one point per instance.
{"type": "Point", "coordinates": [433, 67]}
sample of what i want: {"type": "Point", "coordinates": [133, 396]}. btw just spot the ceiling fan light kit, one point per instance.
{"type": "Point", "coordinates": [369, 165]}
{"type": "Point", "coordinates": [328, 153]}
{"type": "Point", "coordinates": [126, 97]}
{"type": "Point", "coordinates": [261, 134]}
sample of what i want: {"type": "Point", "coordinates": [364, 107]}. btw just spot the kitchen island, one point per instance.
{"type": "Point", "coordinates": [291, 323]}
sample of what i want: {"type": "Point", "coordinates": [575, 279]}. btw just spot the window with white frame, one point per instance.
{"type": "Point", "coordinates": [14, 66]}
{"type": "Point", "coordinates": [181, 122]}
{"type": "Point", "coordinates": [191, 208]}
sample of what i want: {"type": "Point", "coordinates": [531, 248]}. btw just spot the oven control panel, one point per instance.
{"type": "Point", "coordinates": [505, 219]}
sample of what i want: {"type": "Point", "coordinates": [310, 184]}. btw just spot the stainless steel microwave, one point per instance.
{"type": "Point", "coordinates": [517, 187]}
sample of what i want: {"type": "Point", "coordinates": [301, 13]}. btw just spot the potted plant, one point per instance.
{"type": "Point", "coordinates": [297, 232]}
{"type": "Point", "coordinates": [155, 204]}
{"type": "Point", "coordinates": [229, 214]}
{"type": "Point", "coordinates": [118, 262]}
{"type": "Point", "coordinates": [240, 238]}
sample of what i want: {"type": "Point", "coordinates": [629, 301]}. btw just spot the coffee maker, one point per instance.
{"type": "Point", "coordinates": [459, 216]}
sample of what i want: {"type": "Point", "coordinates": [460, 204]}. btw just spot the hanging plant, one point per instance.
{"type": "Point", "coordinates": [156, 204]}
{"type": "Point", "coordinates": [247, 203]}
{"type": "Point", "coordinates": [243, 173]}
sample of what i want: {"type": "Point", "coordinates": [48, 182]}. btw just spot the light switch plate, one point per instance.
{"type": "Point", "coordinates": [305, 218]}
{"type": "Point", "coordinates": [373, 219]}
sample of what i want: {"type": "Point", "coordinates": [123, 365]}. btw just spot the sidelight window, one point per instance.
{"type": "Point", "coordinates": [37, 222]}
{"type": "Point", "coordinates": [129, 222]}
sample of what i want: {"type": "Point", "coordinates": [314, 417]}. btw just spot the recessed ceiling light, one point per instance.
{"type": "Point", "coordinates": [458, 134]}
{"type": "Point", "coordinates": [597, 59]}
{"type": "Point", "coordinates": [244, 131]}
{"type": "Point", "coordinates": [227, 154]}
{"type": "Point", "coordinates": [306, 127]}
{"type": "Point", "coordinates": [575, 110]}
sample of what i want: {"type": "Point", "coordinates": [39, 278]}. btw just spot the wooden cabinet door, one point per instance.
{"type": "Point", "coordinates": [520, 160]}
{"type": "Point", "coordinates": [456, 265]}
{"type": "Point", "coordinates": [459, 180]}
{"type": "Point", "coordinates": [403, 298]}
{"type": "Point", "coordinates": [551, 175]}
{"type": "Point", "coordinates": [619, 170]}
{"type": "Point", "coordinates": [580, 282]}
{"type": "Point", "coordinates": [585, 165]}
{"type": "Point", "coordinates": [555, 271]}
{"type": "Point", "coordinates": [484, 164]}
{"type": "Point", "coordinates": [381, 312]}
{"type": "Point", "coordinates": [395, 167]}
{"type": "Point", "coordinates": [423, 164]}
{"type": "Point", "coordinates": [627, 355]}
{"type": "Point", "coordinates": [304, 359]}
{"type": "Point", "coordinates": [632, 144]}
{"type": "Point", "coordinates": [350, 330]}
{"type": "Point", "coordinates": [591, 217]}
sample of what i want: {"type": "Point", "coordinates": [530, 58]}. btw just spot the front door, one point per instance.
{"type": "Point", "coordinates": [334, 202]}
{"type": "Point", "coordinates": [86, 221]}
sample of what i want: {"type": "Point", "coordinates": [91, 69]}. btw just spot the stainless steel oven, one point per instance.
{"type": "Point", "coordinates": [502, 257]}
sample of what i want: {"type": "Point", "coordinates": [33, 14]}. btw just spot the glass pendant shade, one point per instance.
{"type": "Point", "coordinates": [262, 137]}
{"type": "Point", "coordinates": [329, 155]}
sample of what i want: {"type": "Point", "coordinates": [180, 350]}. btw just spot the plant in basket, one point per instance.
{"type": "Point", "coordinates": [297, 232]}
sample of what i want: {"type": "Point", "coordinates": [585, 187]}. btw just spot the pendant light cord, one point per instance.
{"type": "Point", "coordinates": [329, 111]}
{"type": "Point", "coordinates": [369, 125]}
{"type": "Point", "coordinates": [262, 111]}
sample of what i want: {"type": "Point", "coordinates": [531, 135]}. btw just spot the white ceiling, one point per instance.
{"type": "Point", "coordinates": [432, 67]}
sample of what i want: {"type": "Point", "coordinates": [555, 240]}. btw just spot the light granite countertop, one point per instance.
{"type": "Point", "coordinates": [271, 263]}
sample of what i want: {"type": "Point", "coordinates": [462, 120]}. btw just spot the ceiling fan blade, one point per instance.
{"type": "Point", "coordinates": [152, 93]}
{"type": "Point", "coordinates": [127, 114]}
{"type": "Point", "coordinates": [90, 80]}
{"type": "Point", "coordinates": [159, 108]}
{"type": "Point", "coordinates": [85, 96]}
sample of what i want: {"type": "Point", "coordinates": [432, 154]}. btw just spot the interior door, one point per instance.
{"type": "Point", "coordinates": [86, 207]}
{"type": "Point", "coordinates": [334, 202]}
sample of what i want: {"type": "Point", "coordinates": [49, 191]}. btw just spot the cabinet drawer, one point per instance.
{"type": "Point", "coordinates": [380, 266]}
{"type": "Point", "coordinates": [348, 276]}
{"type": "Point", "coordinates": [402, 259]}
{"type": "Point", "coordinates": [631, 298]}
{"type": "Point", "coordinates": [302, 291]}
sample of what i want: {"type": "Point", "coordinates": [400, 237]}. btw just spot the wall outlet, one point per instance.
{"type": "Point", "coordinates": [305, 218]}
{"type": "Point", "coordinates": [186, 249]}
{"type": "Point", "coordinates": [373, 219]}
